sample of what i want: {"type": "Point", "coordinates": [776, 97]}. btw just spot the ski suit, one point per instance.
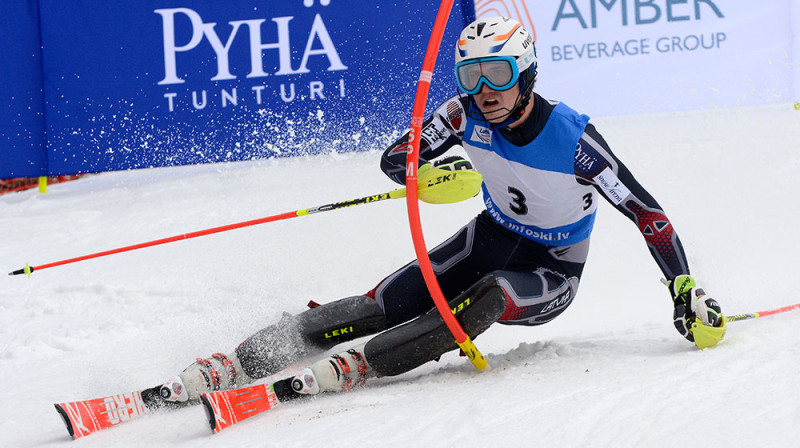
{"type": "Point", "coordinates": [541, 183]}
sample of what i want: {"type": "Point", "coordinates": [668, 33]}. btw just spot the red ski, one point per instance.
{"type": "Point", "coordinates": [222, 408]}
{"type": "Point", "coordinates": [226, 408]}
{"type": "Point", "coordinates": [85, 417]}
{"type": "Point", "coordinates": [89, 416]}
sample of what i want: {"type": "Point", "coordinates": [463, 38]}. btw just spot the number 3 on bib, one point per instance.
{"type": "Point", "coordinates": [518, 203]}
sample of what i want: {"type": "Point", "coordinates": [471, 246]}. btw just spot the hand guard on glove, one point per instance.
{"type": "Point", "coordinates": [448, 180]}
{"type": "Point", "coordinates": [453, 163]}
{"type": "Point", "coordinates": [697, 317]}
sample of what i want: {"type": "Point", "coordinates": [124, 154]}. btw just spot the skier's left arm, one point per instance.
{"type": "Point", "coordinates": [596, 165]}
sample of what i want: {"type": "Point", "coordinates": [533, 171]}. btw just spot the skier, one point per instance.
{"type": "Point", "coordinates": [519, 262]}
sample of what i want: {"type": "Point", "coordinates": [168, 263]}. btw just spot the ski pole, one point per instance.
{"type": "Point", "coordinates": [394, 194]}
{"type": "Point", "coordinates": [705, 336]}
{"type": "Point", "coordinates": [747, 316]}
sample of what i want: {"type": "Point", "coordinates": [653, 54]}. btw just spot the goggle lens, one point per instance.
{"type": "Point", "coordinates": [497, 74]}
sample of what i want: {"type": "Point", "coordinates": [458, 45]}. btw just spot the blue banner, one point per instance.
{"type": "Point", "coordinates": [22, 121]}
{"type": "Point", "coordinates": [135, 84]}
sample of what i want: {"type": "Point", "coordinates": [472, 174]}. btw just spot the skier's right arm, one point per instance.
{"type": "Point", "coordinates": [440, 132]}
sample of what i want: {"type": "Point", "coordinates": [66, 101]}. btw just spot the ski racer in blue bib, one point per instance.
{"type": "Point", "coordinates": [544, 167]}
{"type": "Point", "coordinates": [519, 262]}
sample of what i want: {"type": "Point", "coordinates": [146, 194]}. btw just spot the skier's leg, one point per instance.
{"type": "Point", "coordinates": [477, 249]}
{"type": "Point", "coordinates": [530, 294]}
{"type": "Point", "coordinates": [277, 346]}
{"type": "Point", "coordinates": [313, 331]}
{"type": "Point", "coordinates": [426, 338]}
{"type": "Point", "coordinates": [407, 346]}
{"type": "Point", "coordinates": [543, 284]}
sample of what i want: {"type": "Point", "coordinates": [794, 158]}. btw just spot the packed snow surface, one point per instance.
{"type": "Point", "coordinates": [611, 371]}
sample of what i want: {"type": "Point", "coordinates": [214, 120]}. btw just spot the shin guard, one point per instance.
{"type": "Point", "coordinates": [313, 331]}
{"type": "Point", "coordinates": [426, 338]}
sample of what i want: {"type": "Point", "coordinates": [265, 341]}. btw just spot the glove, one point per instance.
{"type": "Point", "coordinates": [449, 180]}
{"type": "Point", "coordinates": [697, 317]}
{"type": "Point", "coordinates": [454, 163]}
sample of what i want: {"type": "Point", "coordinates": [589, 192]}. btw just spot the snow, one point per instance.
{"type": "Point", "coordinates": [611, 371]}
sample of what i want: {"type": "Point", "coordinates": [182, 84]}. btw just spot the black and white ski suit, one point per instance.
{"type": "Point", "coordinates": [541, 183]}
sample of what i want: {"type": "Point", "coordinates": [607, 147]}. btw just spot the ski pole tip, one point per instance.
{"type": "Point", "coordinates": [26, 270]}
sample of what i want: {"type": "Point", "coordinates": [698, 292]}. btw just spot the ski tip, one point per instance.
{"type": "Point", "coordinates": [212, 421]}
{"type": "Point", "coordinates": [65, 417]}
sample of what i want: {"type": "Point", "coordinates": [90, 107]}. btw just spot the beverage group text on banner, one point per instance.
{"type": "Point", "coordinates": [617, 57]}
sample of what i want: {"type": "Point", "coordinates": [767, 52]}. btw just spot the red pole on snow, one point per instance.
{"type": "Point", "coordinates": [394, 194]}
{"type": "Point", "coordinates": [412, 162]}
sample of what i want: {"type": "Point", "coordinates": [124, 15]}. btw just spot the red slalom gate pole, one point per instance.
{"type": "Point", "coordinates": [412, 162]}
{"type": "Point", "coordinates": [394, 194]}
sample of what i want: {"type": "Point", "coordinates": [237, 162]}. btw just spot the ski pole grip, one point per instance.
{"type": "Point", "coordinates": [473, 354]}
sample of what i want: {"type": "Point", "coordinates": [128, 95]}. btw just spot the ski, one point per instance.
{"type": "Point", "coordinates": [86, 417]}
{"type": "Point", "coordinates": [89, 416]}
{"type": "Point", "coordinates": [228, 407]}
{"type": "Point", "coordinates": [223, 408]}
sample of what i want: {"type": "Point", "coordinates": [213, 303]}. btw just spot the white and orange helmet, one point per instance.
{"type": "Point", "coordinates": [498, 52]}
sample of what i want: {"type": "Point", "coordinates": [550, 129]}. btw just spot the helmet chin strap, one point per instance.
{"type": "Point", "coordinates": [520, 110]}
{"type": "Point", "coordinates": [516, 112]}
{"type": "Point", "coordinates": [506, 116]}
{"type": "Point", "coordinates": [527, 81]}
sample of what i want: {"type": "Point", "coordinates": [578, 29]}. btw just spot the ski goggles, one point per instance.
{"type": "Point", "coordinates": [498, 72]}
